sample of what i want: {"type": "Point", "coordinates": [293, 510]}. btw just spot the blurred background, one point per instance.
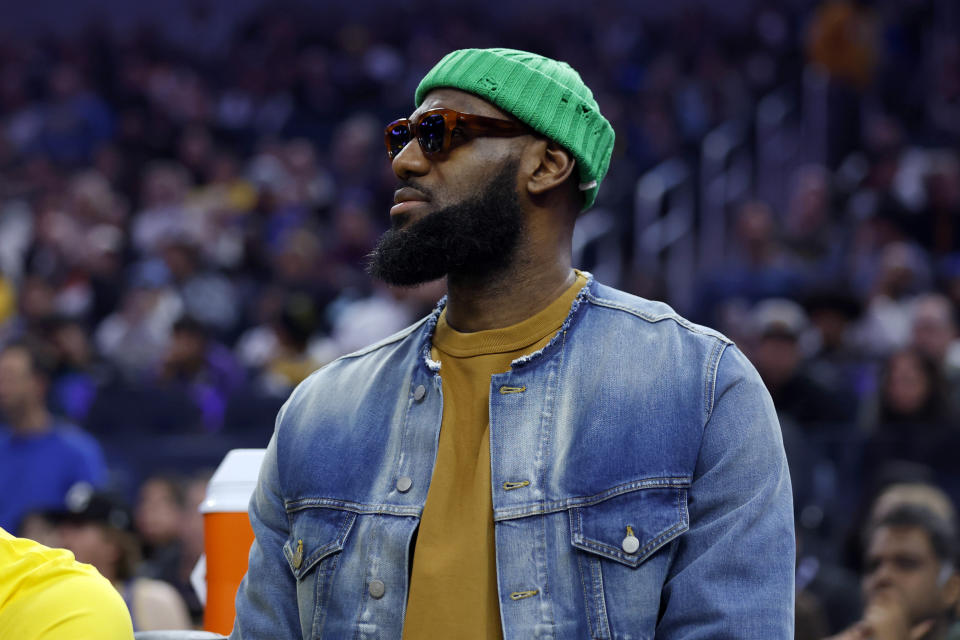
{"type": "Point", "coordinates": [188, 190]}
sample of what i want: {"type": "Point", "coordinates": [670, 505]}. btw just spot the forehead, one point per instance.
{"type": "Point", "coordinates": [900, 540]}
{"type": "Point", "coordinates": [461, 101]}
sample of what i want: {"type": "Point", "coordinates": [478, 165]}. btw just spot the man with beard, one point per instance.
{"type": "Point", "coordinates": [541, 457]}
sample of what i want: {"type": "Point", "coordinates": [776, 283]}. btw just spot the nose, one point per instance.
{"type": "Point", "coordinates": [410, 162]}
{"type": "Point", "coordinates": [879, 578]}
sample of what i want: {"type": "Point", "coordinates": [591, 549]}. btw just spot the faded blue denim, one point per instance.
{"type": "Point", "coordinates": [631, 416]}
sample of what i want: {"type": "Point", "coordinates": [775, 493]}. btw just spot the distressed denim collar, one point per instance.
{"type": "Point", "coordinates": [430, 326]}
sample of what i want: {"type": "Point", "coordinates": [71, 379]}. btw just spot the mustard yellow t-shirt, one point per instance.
{"type": "Point", "coordinates": [47, 595]}
{"type": "Point", "coordinates": [453, 586]}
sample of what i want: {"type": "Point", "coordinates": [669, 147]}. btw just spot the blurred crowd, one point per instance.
{"type": "Point", "coordinates": [183, 234]}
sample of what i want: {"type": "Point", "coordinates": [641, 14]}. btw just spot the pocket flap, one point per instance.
{"type": "Point", "coordinates": [315, 534]}
{"type": "Point", "coordinates": [655, 516]}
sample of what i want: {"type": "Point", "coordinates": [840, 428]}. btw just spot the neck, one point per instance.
{"type": "Point", "coordinates": [508, 297]}
{"type": "Point", "coordinates": [33, 420]}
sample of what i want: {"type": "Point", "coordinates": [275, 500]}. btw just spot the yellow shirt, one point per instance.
{"type": "Point", "coordinates": [47, 595]}
{"type": "Point", "coordinates": [453, 586]}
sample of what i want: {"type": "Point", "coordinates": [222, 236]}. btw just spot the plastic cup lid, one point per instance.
{"type": "Point", "coordinates": [233, 482]}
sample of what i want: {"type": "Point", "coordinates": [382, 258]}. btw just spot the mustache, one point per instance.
{"type": "Point", "coordinates": [416, 186]}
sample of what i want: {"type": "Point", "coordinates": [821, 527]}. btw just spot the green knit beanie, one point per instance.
{"type": "Point", "coordinates": [546, 94]}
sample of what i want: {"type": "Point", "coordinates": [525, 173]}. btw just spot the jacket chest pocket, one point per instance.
{"type": "Point", "coordinates": [317, 536]}
{"type": "Point", "coordinates": [620, 568]}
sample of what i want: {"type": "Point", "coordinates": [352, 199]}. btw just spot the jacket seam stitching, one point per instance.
{"type": "Point", "coordinates": [583, 587]}
{"type": "Point", "coordinates": [353, 507]}
{"type": "Point", "coordinates": [713, 367]}
{"type": "Point", "coordinates": [653, 545]}
{"type": "Point", "coordinates": [586, 501]}
{"type": "Point", "coordinates": [653, 319]}
{"type": "Point", "coordinates": [545, 448]}
{"type": "Point", "coordinates": [404, 433]}
{"type": "Point", "coordinates": [603, 618]}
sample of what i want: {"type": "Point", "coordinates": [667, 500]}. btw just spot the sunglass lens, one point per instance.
{"type": "Point", "coordinates": [398, 136]}
{"type": "Point", "coordinates": [430, 132]}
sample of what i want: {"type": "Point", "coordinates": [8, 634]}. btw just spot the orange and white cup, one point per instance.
{"type": "Point", "coordinates": [227, 534]}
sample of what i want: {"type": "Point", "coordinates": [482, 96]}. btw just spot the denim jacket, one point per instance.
{"type": "Point", "coordinates": [640, 488]}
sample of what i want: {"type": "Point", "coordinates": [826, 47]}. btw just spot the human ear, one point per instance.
{"type": "Point", "coordinates": [951, 591]}
{"type": "Point", "coordinates": [553, 168]}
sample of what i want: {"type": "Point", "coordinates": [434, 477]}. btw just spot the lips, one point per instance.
{"type": "Point", "coordinates": [408, 194]}
{"type": "Point", "coordinates": [406, 200]}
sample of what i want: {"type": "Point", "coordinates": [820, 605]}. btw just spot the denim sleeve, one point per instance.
{"type": "Point", "coordinates": [266, 601]}
{"type": "Point", "coordinates": [733, 573]}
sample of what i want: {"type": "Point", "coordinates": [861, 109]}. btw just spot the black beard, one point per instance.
{"type": "Point", "coordinates": [473, 239]}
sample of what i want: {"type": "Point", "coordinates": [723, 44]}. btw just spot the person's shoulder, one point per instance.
{"type": "Point", "coordinates": [650, 312]}
{"type": "Point", "coordinates": [49, 589]}
{"type": "Point", "coordinates": [28, 557]}
{"type": "Point", "coordinates": [158, 605]}
{"type": "Point", "coordinates": [155, 593]}
{"type": "Point", "coordinates": [73, 437]}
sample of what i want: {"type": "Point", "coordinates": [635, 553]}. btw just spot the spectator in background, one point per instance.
{"type": "Point", "coordinates": [39, 526]}
{"type": "Point", "coordinates": [36, 306]}
{"type": "Point", "coordinates": [922, 494]}
{"type": "Point", "coordinates": [944, 103]}
{"type": "Point", "coordinates": [910, 394]}
{"type": "Point", "coordinates": [835, 359]}
{"type": "Point", "coordinates": [934, 335]}
{"type": "Point", "coordinates": [40, 456]}
{"type": "Point", "coordinates": [75, 120]}
{"type": "Point", "coordinates": [907, 422]}
{"type": "Point", "coordinates": [843, 43]}
{"type": "Point", "coordinates": [933, 330]}
{"type": "Point", "coordinates": [157, 515]}
{"type": "Point", "coordinates": [800, 399]}
{"type": "Point", "coordinates": [207, 295]}
{"type": "Point", "coordinates": [760, 266]}
{"type": "Point", "coordinates": [135, 336]}
{"type": "Point", "coordinates": [949, 275]}
{"type": "Point", "coordinates": [203, 368]}
{"type": "Point", "coordinates": [166, 213]}
{"type": "Point", "coordinates": [810, 234]}
{"type": "Point", "coordinates": [909, 581]}
{"type": "Point", "coordinates": [79, 371]}
{"type": "Point", "coordinates": [97, 528]}
{"type": "Point", "coordinates": [900, 275]}
{"type": "Point", "coordinates": [290, 362]}
{"type": "Point", "coordinates": [171, 529]}
{"type": "Point", "coordinates": [942, 212]}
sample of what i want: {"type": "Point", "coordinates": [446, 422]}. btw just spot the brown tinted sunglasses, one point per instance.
{"type": "Point", "coordinates": [438, 130]}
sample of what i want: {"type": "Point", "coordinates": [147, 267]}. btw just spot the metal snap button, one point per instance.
{"type": "Point", "coordinates": [298, 555]}
{"type": "Point", "coordinates": [404, 483]}
{"type": "Point", "coordinates": [419, 392]}
{"type": "Point", "coordinates": [630, 543]}
{"type": "Point", "coordinates": [377, 589]}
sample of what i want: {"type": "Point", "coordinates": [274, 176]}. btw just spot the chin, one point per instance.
{"type": "Point", "coordinates": [401, 221]}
